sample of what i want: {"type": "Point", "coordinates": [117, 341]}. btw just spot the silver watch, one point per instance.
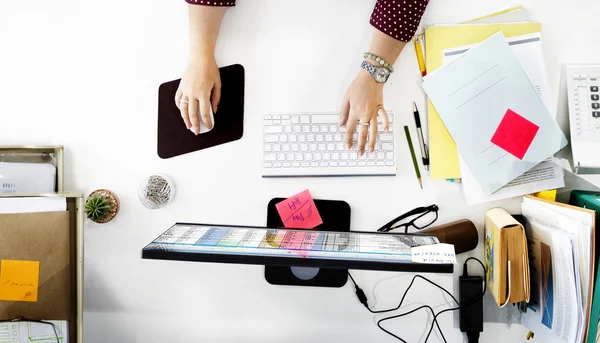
{"type": "Point", "coordinates": [381, 74]}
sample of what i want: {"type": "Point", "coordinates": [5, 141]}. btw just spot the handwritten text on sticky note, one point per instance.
{"type": "Point", "coordinates": [19, 280]}
{"type": "Point", "coordinates": [434, 254]}
{"type": "Point", "coordinates": [299, 211]}
{"type": "Point", "coordinates": [515, 134]}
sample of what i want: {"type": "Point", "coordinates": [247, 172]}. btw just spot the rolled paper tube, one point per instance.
{"type": "Point", "coordinates": [461, 233]}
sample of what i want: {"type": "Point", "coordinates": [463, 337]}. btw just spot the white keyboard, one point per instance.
{"type": "Point", "coordinates": [313, 145]}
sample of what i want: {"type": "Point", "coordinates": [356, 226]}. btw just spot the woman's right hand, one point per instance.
{"type": "Point", "coordinates": [199, 90]}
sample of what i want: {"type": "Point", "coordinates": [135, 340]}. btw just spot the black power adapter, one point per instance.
{"type": "Point", "coordinates": [471, 305]}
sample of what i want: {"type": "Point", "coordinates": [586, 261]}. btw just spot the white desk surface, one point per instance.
{"type": "Point", "coordinates": [85, 74]}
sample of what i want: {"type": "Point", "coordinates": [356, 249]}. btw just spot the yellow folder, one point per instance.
{"type": "Point", "coordinates": [442, 149]}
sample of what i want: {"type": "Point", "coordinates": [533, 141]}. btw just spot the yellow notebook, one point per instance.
{"type": "Point", "coordinates": [442, 149]}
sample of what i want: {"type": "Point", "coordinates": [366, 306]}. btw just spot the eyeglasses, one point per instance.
{"type": "Point", "coordinates": [425, 216]}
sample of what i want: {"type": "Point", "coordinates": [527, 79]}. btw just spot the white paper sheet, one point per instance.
{"type": "Point", "coordinates": [30, 332]}
{"type": "Point", "coordinates": [546, 175]}
{"type": "Point", "coordinates": [32, 204]}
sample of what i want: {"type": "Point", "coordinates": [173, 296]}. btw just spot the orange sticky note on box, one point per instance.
{"type": "Point", "coordinates": [19, 280]}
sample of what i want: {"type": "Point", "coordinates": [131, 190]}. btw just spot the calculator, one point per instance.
{"type": "Point", "coordinates": [583, 85]}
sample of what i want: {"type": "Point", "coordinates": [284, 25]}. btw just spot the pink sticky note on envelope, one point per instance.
{"type": "Point", "coordinates": [299, 211]}
{"type": "Point", "coordinates": [515, 134]}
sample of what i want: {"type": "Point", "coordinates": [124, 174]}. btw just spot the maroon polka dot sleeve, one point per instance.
{"type": "Point", "coordinates": [398, 18]}
{"type": "Point", "coordinates": [212, 2]}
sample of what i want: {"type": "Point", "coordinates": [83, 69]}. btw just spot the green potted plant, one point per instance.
{"type": "Point", "coordinates": [101, 206]}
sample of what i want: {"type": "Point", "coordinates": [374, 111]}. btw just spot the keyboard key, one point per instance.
{"type": "Point", "coordinates": [268, 148]}
{"type": "Point", "coordinates": [287, 165]}
{"type": "Point", "coordinates": [337, 137]}
{"type": "Point", "coordinates": [292, 138]}
{"type": "Point", "coordinates": [296, 129]}
{"type": "Point", "coordinates": [594, 88]}
{"type": "Point", "coordinates": [312, 147]}
{"type": "Point", "coordinates": [331, 147]}
{"type": "Point", "coordinates": [280, 157]}
{"type": "Point", "coordinates": [298, 156]}
{"type": "Point", "coordinates": [343, 164]}
{"type": "Point", "coordinates": [308, 156]}
{"type": "Point", "coordinates": [328, 138]}
{"type": "Point", "coordinates": [310, 138]}
{"type": "Point", "coordinates": [305, 164]}
{"type": "Point", "coordinates": [389, 163]}
{"type": "Point", "coordinates": [339, 147]}
{"type": "Point", "coordinates": [317, 156]}
{"type": "Point", "coordinates": [295, 164]}
{"type": "Point", "coordinates": [362, 163]}
{"type": "Point", "coordinates": [325, 119]}
{"type": "Point", "coordinates": [333, 164]}
{"type": "Point", "coordinates": [387, 146]}
{"type": "Point", "coordinates": [301, 138]}
{"type": "Point", "coordinates": [342, 129]}
{"type": "Point", "coordinates": [323, 129]}
{"type": "Point", "coordinates": [380, 163]}
{"type": "Point", "coordinates": [267, 122]}
{"type": "Point", "coordinates": [321, 147]}
{"type": "Point", "coordinates": [274, 129]}
{"type": "Point", "coordinates": [314, 129]}
{"type": "Point", "coordinates": [270, 157]}
{"type": "Point", "coordinates": [386, 138]}
{"type": "Point", "coordinates": [353, 155]}
{"type": "Point", "coordinates": [276, 121]}
{"type": "Point", "coordinates": [380, 156]}
{"type": "Point", "coordinates": [352, 164]}
{"type": "Point", "coordinates": [276, 147]}
{"type": "Point", "coordinates": [373, 156]}
{"type": "Point", "coordinates": [314, 164]}
{"type": "Point", "coordinates": [277, 165]}
{"type": "Point", "coordinates": [305, 129]}
{"type": "Point", "coordinates": [295, 147]}
{"type": "Point", "coordinates": [268, 165]}
{"type": "Point", "coordinates": [326, 156]}
{"type": "Point", "coordinates": [305, 119]}
{"type": "Point", "coordinates": [289, 157]}
{"type": "Point", "coordinates": [268, 117]}
{"type": "Point", "coordinates": [323, 164]}
{"type": "Point", "coordinates": [391, 117]}
{"type": "Point", "coordinates": [283, 138]}
{"type": "Point", "coordinates": [377, 146]}
{"type": "Point", "coordinates": [333, 128]}
{"type": "Point", "coordinates": [285, 147]}
{"type": "Point", "coordinates": [304, 147]}
{"type": "Point", "coordinates": [335, 156]}
{"type": "Point", "coordinates": [271, 138]}
{"type": "Point", "coordinates": [295, 119]}
{"type": "Point", "coordinates": [276, 117]}
{"type": "Point", "coordinates": [371, 164]}
{"type": "Point", "coordinates": [344, 155]}
{"type": "Point", "coordinates": [285, 117]}
{"type": "Point", "coordinates": [389, 156]}
{"type": "Point", "coordinates": [320, 138]}
{"type": "Point", "coordinates": [287, 129]}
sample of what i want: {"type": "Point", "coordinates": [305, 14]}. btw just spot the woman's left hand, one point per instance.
{"type": "Point", "coordinates": [362, 104]}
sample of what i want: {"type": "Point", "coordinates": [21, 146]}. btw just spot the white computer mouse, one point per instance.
{"type": "Point", "coordinates": [203, 128]}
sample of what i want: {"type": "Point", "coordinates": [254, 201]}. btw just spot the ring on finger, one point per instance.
{"type": "Point", "coordinates": [183, 101]}
{"type": "Point", "coordinates": [364, 124]}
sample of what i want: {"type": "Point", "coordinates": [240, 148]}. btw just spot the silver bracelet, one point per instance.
{"type": "Point", "coordinates": [379, 60]}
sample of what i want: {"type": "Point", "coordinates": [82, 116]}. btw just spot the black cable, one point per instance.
{"type": "Point", "coordinates": [21, 319]}
{"type": "Point", "coordinates": [363, 300]}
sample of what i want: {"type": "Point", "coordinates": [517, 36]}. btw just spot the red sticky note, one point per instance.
{"type": "Point", "coordinates": [299, 211]}
{"type": "Point", "coordinates": [515, 134]}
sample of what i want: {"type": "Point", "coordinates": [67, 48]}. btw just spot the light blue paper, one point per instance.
{"type": "Point", "coordinates": [472, 95]}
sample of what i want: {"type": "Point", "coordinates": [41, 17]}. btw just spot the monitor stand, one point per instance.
{"type": "Point", "coordinates": [336, 217]}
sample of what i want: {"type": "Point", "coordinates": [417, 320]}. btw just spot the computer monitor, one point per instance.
{"type": "Point", "coordinates": [291, 247]}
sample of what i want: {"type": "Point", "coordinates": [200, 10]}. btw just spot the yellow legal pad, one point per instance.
{"type": "Point", "coordinates": [442, 149]}
{"type": "Point", "coordinates": [19, 280]}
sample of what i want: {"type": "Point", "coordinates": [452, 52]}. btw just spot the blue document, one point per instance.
{"type": "Point", "coordinates": [494, 113]}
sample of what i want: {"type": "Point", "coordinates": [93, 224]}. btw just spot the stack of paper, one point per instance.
{"type": "Point", "coordinates": [447, 44]}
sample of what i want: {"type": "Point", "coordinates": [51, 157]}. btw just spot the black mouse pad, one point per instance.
{"type": "Point", "coordinates": [175, 139]}
{"type": "Point", "coordinates": [336, 217]}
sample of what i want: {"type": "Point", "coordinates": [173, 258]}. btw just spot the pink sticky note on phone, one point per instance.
{"type": "Point", "coordinates": [299, 211]}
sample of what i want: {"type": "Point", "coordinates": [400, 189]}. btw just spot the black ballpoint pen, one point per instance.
{"type": "Point", "coordinates": [422, 145]}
